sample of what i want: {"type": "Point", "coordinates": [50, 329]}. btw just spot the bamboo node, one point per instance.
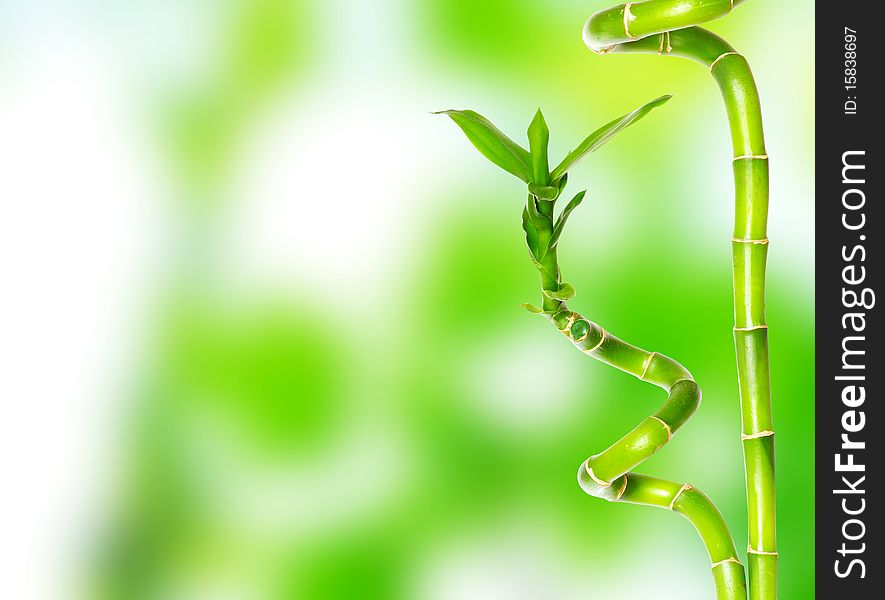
{"type": "Point", "coordinates": [667, 427]}
{"type": "Point", "coordinates": [647, 364]}
{"type": "Point", "coordinates": [753, 436]}
{"type": "Point", "coordinates": [597, 480]}
{"type": "Point", "coordinates": [720, 57]}
{"type": "Point", "coordinates": [686, 486]}
{"type": "Point", "coordinates": [730, 559]}
{"type": "Point", "coordinates": [602, 51]}
{"type": "Point", "coordinates": [762, 241]}
{"type": "Point", "coordinates": [598, 344]}
{"type": "Point", "coordinates": [665, 46]}
{"type": "Point", "coordinates": [751, 328]}
{"type": "Point", "coordinates": [628, 16]}
{"type": "Point", "coordinates": [748, 156]}
{"type": "Point", "coordinates": [761, 552]}
{"type": "Point", "coordinates": [623, 488]}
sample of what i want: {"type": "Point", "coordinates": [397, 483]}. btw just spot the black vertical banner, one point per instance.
{"type": "Point", "coordinates": [849, 265]}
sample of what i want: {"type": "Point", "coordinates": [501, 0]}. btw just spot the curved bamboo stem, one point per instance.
{"type": "Point", "coordinates": [607, 475]}
{"type": "Point", "coordinates": [663, 27]}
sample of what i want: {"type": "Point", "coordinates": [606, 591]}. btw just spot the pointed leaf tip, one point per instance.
{"type": "Point", "coordinates": [563, 217]}
{"type": "Point", "coordinates": [492, 142]}
{"type": "Point", "coordinates": [538, 120]}
{"type": "Point", "coordinates": [539, 138]}
{"type": "Point", "coordinates": [599, 137]}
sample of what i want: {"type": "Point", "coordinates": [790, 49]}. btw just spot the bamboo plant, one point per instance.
{"type": "Point", "coordinates": [607, 475]}
{"type": "Point", "coordinates": [668, 27]}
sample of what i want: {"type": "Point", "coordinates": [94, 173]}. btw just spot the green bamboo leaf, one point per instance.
{"type": "Point", "coordinates": [541, 221]}
{"type": "Point", "coordinates": [533, 243]}
{"type": "Point", "coordinates": [542, 225]}
{"type": "Point", "coordinates": [541, 268]}
{"type": "Point", "coordinates": [492, 143]}
{"type": "Point", "coordinates": [531, 233]}
{"type": "Point", "coordinates": [565, 292]}
{"type": "Point", "coordinates": [561, 182]}
{"type": "Point", "coordinates": [539, 137]}
{"type": "Point", "coordinates": [532, 308]}
{"type": "Point", "coordinates": [563, 216]}
{"type": "Point", "coordinates": [604, 134]}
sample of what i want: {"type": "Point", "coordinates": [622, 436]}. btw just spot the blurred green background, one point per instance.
{"type": "Point", "coordinates": [314, 379]}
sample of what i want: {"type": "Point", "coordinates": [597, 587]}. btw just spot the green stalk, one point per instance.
{"type": "Point", "coordinates": [661, 27]}
{"type": "Point", "coordinates": [608, 474]}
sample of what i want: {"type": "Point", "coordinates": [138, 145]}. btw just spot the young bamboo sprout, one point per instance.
{"type": "Point", "coordinates": [608, 474]}
{"type": "Point", "coordinates": [666, 27]}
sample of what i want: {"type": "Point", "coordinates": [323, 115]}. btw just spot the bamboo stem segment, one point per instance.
{"type": "Point", "coordinates": [608, 474]}
{"type": "Point", "coordinates": [651, 21]}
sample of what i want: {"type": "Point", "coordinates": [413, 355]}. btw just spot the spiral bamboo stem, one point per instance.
{"type": "Point", "coordinates": [607, 475]}
{"type": "Point", "coordinates": [666, 27]}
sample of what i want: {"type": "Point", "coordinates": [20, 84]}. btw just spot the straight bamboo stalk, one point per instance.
{"type": "Point", "coordinates": [663, 27]}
